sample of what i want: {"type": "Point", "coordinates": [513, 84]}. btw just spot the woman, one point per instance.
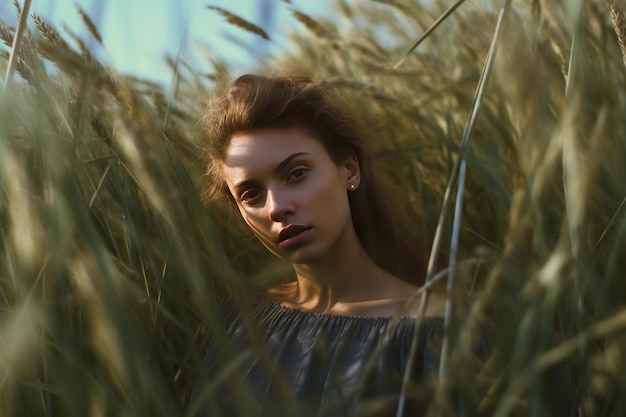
{"type": "Point", "coordinates": [336, 339]}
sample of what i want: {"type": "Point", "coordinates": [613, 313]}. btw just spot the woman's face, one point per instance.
{"type": "Point", "coordinates": [290, 192]}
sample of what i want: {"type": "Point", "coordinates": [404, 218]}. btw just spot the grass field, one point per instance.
{"type": "Point", "coordinates": [110, 264]}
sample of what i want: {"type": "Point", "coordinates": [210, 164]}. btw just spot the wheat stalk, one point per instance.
{"type": "Point", "coordinates": [6, 35]}
{"type": "Point", "coordinates": [319, 30]}
{"type": "Point", "coordinates": [49, 32]}
{"type": "Point", "coordinates": [393, 3]}
{"type": "Point", "coordinates": [620, 29]}
{"type": "Point", "coordinates": [240, 22]}
{"type": "Point", "coordinates": [89, 23]}
{"type": "Point", "coordinates": [16, 4]}
{"type": "Point", "coordinates": [559, 53]}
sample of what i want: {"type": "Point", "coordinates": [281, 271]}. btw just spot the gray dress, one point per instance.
{"type": "Point", "coordinates": [283, 361]}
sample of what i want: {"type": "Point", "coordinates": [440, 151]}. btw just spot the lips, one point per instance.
{"type": "Point", "coordinates": [291, 234]}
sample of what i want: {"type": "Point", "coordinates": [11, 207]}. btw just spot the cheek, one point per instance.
{"type": "Point", "coordinates": [330, 191]}
{"type": "Point", "coordinates": [254, 222]}
{"type": "Point", "coordinates": [248, 218]}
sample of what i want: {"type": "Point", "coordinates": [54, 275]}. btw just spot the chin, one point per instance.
{"type": "Point", "coordinates": [301, 257]}
{"type": "Point", "coordinates": [305, 254]}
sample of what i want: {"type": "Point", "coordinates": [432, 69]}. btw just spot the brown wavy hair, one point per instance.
{"type": "Point", "coordinates": [256, 102]}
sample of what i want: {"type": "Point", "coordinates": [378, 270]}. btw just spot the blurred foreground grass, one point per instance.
{"type": "Point", "coordinates": [110, 265]}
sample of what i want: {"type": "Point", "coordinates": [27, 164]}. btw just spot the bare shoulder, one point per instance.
{"type": "Point", "coordinates": [284, 292]}
{"type": "Point", "coordinates": [404, 298]}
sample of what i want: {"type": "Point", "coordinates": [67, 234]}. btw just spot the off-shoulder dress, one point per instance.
{"type": "Point", "coordinates": [320, 364]}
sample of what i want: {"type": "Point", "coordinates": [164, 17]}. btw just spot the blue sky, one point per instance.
{"type": "Point", "coordinates": [137, 34]}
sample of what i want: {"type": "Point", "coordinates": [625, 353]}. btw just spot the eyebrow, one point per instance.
{"type": "Point", "coordinates": [278, 168]}
{"type": "Point", "coordinates": [287, 160]}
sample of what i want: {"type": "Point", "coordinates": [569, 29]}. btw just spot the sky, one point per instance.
{"type": "Point", "coordinates": [137, 34]}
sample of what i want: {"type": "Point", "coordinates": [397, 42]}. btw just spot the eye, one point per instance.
{"type": "Point", "coordinates": [250, 195]}
{"type": "Point", "coordinates": [296, 173]}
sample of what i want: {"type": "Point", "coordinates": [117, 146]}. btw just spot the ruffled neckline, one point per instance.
{"type": "Point", "coordinates": [266, 303]}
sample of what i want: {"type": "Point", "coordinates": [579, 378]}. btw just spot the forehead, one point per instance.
{"type": "Point", "coordinates": [261, 149]}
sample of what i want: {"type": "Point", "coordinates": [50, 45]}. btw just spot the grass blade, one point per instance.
{"type": "Point", "coordinates": [17, 39]}
{"type": "Point", "coordinates": [458, 173]}
{"type": "Point", "coordinates": [430, 29]}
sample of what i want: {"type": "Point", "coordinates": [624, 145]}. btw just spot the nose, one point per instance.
{"type": "Point", "coordinates": [278, 205]}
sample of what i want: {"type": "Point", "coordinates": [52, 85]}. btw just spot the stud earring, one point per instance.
{"type": "Point", "coordinates": [352, 187]}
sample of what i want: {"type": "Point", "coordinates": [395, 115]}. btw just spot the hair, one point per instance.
{"type": "Point", "coordinates": [256, 102]}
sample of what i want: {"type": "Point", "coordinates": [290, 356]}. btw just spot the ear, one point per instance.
{"type": "Point", "coordinates": [352, 170]}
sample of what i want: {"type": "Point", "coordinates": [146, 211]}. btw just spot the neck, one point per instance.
{"type": "Point", "coordinates": [344, 276]}
{"type": "Point", "coordinates": [345, 281]}
{"type": "Point", "coordinates": [328, 282]}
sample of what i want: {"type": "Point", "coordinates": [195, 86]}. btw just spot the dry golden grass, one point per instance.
{"type": "Point", "coordinates": [311, 24]}
{"type": "Point", "coordinates": [240, 22]}
{"type": "Point", "coordinates": [620, 29]}
{"type": "Point", "coordinates": [89, 23]}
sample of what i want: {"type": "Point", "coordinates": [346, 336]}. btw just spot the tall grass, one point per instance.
{"type": "Point", "coordinates": [110, 265]}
